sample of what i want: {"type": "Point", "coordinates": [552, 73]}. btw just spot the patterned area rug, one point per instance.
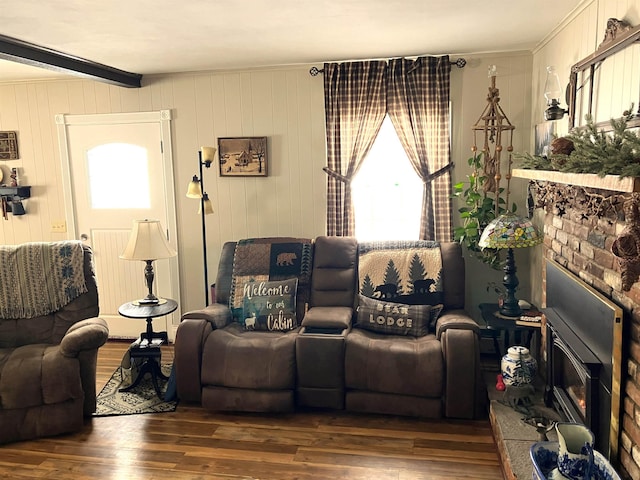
{"type": "Point", "coordinates": [142, 399]}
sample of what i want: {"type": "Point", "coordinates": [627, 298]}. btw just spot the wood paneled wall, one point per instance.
{"type": "Point", "coordinates": [284, 104]}
{"type": "Point", "coordinates": [469, 89]}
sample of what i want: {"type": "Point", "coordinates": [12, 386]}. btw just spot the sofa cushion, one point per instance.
{"type": "Point", "coordinates": [270, 305]}
{"type": "Point", "coordinates": [402, 365]}
{"type": "Point", "coordinates": [396, 318]}
{"type": "Point", "coordinates": [239, 358]}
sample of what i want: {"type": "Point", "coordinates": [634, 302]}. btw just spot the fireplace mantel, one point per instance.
{"type": "Point", "coordinates": [589, 180]}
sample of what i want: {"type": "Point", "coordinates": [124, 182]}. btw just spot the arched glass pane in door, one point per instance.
{"type": "Point", "coordinates": [118, 176]}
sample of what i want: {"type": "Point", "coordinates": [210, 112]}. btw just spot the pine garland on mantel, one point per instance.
{"type": "Point", "coordinates": [589, 150]}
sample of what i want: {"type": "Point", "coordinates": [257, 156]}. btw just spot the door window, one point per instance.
{"type": "Point", "coordinates": [118, 176]}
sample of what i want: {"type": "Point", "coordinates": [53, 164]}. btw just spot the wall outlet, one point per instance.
{"type": "Point", "coordinates": [59, 226]}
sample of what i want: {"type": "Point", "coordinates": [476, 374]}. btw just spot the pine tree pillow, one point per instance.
{"type": "Point", "coordinates": [404, 271]}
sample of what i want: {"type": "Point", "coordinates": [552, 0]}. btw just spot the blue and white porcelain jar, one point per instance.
{"type": "Point", "coordinates": [518, 367]}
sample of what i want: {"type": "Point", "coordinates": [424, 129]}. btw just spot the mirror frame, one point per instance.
{"type": "Point", "coordinates": [618, 36]}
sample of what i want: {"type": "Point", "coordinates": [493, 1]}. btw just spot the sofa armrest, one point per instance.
{"type": "Point", "coordinates": [89, 334]}
{"type": "Point", "coordinates": [217, 314]}
{"type": "Point", "coordinates": [455, 319]}
{"type": "Point", "coordinates": [190, 338]}
{"type": "Point", "coordinates": [460, 342]}
{"type": "Point", "coordinates": [327, 319]}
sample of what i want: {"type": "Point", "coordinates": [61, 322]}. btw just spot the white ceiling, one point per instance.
{"type": "Point", "coordinates": [163, 36]}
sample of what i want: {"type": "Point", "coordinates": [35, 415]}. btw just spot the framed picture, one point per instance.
{"type": "Point", "coordinates": [9, 146]}
{"type": "Point", "coordinates": [543, 136]}
{"type": "Point", "coordinates": [243, 156]}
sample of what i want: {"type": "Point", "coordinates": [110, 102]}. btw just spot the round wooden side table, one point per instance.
{"type": "Point", "coordinates": [149, 343]}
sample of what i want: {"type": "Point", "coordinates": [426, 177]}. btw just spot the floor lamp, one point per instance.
{"type": "Point", "coordinates": [196, 190]}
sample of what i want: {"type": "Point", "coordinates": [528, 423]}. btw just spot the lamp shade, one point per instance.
{"type": "Point", "coordinates": [208, 153]}
{"type": "Point", "coordinates": [208, 205]}
{"type": "Point", "coordinates": [510, 231]}
{"type": "Point", "coordinates": [194, 190]}
{"type": "Point", "coordinates": [148, 241]}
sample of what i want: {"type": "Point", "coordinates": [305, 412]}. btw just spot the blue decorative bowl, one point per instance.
{"type": "Point", "coordinates": [544, 456]}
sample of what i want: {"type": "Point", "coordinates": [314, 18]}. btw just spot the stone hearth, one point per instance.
{"type": "Point", "coordinates": [513, 435]}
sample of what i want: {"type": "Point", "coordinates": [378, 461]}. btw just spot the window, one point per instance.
{"type": "Point", "coordinates": [118, 176]}
{"type": "Point", "coordinates": [387, 192]}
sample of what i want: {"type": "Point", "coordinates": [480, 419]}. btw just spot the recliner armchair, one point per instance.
{"type": "Point", "coordinates": [435, 375]}
{"type": "Point", "coordinates": [225, 366]}
{"type": "Point", "coordinates": [48, 361]}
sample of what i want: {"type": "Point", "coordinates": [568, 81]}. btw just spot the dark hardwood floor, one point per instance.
{"type": "Point", "coordinates": [192, 443]}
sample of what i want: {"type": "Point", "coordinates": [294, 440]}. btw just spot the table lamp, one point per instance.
{"type": "Point", "coordinates": [148, 242]}
{"type": "Point", "coordinates": [510, 231]}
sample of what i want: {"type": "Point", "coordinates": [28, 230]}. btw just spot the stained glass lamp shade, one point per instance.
{"type": "Point", "coordinates": [510, 231]}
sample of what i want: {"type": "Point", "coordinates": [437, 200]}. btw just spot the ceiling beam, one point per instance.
{"type": "Point", "coordinates": [30, 54]}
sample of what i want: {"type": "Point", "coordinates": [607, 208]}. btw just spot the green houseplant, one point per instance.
{"type": "Point", "coordinates": [479, 209]}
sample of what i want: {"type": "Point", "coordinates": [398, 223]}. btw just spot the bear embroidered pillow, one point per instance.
{"type": "Point", "coordinates": [396, 318]}
{"type": "Point", "coordinates": [270, 306]}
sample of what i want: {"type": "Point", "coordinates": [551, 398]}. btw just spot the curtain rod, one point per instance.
{"type": "Point", "coordinates": [460, 63]}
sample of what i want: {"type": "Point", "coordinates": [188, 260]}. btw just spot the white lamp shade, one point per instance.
{"type": "Point", "coordinates": [208, 153]}
{"type": "Point", "coordinates": [148, 241]}
{"type": "Point", "coordinates": [194, 190]}
{"type": "Point", "coordinates": [208, 205]}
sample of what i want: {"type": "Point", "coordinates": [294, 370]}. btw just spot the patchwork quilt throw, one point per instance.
{"type": "Point", "coordinates": [38, 278]}
{"type": "Point", "coordinates": [268, 259]}
{"type": "Point", "coordinates": [407, 272]}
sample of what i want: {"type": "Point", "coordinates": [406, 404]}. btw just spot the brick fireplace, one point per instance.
{"type": "Point", "coordinates": [580, 240]}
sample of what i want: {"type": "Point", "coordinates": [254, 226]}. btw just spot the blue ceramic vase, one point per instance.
{"type": "Point", "coordinates": [518, 367]}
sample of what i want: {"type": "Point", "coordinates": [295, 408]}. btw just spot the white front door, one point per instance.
{"type": "Point", "coordinates": [117, 172]}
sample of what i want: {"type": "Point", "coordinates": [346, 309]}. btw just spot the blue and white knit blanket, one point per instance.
{"type": "Point", "coordinates": [38, 278]}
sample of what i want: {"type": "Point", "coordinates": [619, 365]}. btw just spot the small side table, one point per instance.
{"type": "Point", "coordinates": [149, 343]}
{"type": "Point", "coordinates": [496, 324]}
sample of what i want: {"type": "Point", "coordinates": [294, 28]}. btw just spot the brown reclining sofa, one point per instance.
{"type": "Point", "coordinates": [330, 361]}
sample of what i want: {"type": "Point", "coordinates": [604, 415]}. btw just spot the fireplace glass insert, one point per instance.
{"type": "Point", "coordinates": [583, 352]}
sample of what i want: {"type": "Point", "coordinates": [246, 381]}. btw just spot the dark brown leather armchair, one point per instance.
{"type": "Point", "coordinates": [48, 365]}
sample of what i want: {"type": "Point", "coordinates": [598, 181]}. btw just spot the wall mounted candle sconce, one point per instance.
{"type": "Point", "coordinates": [552, 93]}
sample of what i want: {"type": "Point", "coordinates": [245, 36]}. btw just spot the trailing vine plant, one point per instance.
{"type": "Point", "coordinates": [479, 209]}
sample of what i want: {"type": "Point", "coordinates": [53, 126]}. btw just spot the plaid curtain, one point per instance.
{"type": "Point", "coordinates": [355, 106]}
{"type": "Point", "coordinates": [418, 106]}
